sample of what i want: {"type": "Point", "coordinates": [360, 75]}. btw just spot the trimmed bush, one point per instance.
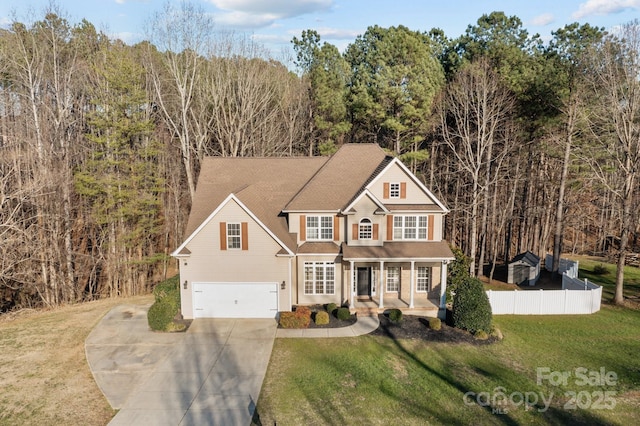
{"type": "Point", "coordinates": [395, 315]}
{"type": "Point", "coordinates": [322, 318]}
{"type": "Point", "coordinates": [471, 308]}
{"type": "Point", "coordinates": [495, 332]}
{"type": "Point", "coordinates": [166, 306]}
{"type": "Point", "coordinates": [343, 314]}
{"type": "Point", "coordinates": [435, 323]}
{"type": "Point", "coordinates": [160, 315]}
{"type": "Point", "coordinates": [600, 269]}
{"type": "Point", "coordinates": [457, 272]}
{"type": "Point", "coordinates": [294, 320]}
{"type": "Point", "coordinates": [303, 310]}
{"type": "Point", "coordinates": [331, 307]}
{"type": "Point", "coordinates": [481, 335]}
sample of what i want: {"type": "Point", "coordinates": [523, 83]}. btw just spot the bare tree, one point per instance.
{"type": "Point", "coordinates": [476, 108]}
{"type": "Point", "coordinates": [182, 36]}
{"type": "Point", "coordinates": [616, 128]}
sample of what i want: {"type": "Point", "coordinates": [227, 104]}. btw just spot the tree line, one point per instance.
{"type": "Point", "coordinates": [533, 146]}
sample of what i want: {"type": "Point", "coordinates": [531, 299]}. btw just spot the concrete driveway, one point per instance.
{"type": "Point", "coordinates": [210, 375]}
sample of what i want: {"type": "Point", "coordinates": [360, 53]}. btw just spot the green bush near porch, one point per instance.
{"type": "Point", "coordinates": [471, 307]}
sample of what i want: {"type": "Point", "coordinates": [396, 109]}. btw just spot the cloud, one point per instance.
{"type": "Point", "coordinates": [604, 7]}
{"type": "Point", "coordinates": [260, 13]}
{"type": "Point", "coordinates": [542, 20]}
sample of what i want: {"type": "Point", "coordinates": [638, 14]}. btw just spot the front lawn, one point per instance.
{"type": "Point", "coordinates": [377, 380]}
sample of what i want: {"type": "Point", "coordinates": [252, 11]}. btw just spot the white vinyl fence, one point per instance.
{"type": "Point", "coordinates": [576, 296]}
{"type": "Point", "coordinates": [569, 267]}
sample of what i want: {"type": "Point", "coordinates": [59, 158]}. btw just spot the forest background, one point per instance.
{"type": "Point", "coordinates": [532, 145]}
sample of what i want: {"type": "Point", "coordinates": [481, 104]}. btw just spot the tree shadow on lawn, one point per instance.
{"type": "Point", "coordinates": [418, 328]}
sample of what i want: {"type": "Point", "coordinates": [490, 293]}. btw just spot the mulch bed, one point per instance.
{"type": "Point", "coordinates": [415, 327]}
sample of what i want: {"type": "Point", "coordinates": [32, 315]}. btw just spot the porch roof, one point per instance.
{"type": "Point", "coordinates": [395, 251]}
{"type": "Point", "coordinates": [319, 248]}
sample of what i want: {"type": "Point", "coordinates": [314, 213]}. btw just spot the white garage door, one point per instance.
{"type": "Point", "coordinates": [235, 300]}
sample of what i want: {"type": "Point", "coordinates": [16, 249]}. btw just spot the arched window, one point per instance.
{"type": "Point", "coordinates": [365, 230]}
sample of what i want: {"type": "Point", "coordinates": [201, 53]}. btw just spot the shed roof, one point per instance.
{"type": "Point", "coordinates": [527, 258]}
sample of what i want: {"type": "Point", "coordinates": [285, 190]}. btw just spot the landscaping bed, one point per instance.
{"type": "Point", "coordinates": [334, 322]}
{"type": "Point", "coordinates": [417, 327]}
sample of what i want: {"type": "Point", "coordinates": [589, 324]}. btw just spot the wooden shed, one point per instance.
{"type": "Point", "coordinates": [524, 269]}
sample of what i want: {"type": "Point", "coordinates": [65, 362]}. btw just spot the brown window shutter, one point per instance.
{"type": "Point", "coordinates": [336, 228]}
{"type": "Point", "coordinates": [354, 231]}
{"type": "Point", "coordinates": [403, 189]}
{"type": "Point", "coordinates": [430, 221]}
{"type": "Point", "coordinates": [375, 231]}
{"type": "Point", "coordinates": [303, 227]}
{"type": "Point", "coordinates": [390, 227]}
{"type": "Point", "coordinates": [245, 236]}
{"type": "Point", "coordinates": [223, 235]}
{"type": "Point", "coordinates": [385, 190]}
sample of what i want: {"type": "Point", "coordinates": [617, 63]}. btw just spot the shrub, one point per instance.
{"type": "Point", "coordinates": [600, 269]}
{"type": "Point", "coordinates": [495, 332]}
{"type": "Point", "coordinates": [160, 315]}
{"type": "Point", "coordinates": [481, 335]}
{"type": "Point", "coordinates": [457, 272]}
{"type": "Point", "coordinates": [322, 318]}
{"type": "Point", "coordinates": [303, 310]}
{"type": "Point", "coordinates": [331, 307]}
{"type": "Point", "coordinates": [343, 314]}
{"type": "Point", "coordinates": [471, 308]}
{"type": "Point", "coordinates": [294, 320]}
{"type": "Point", "coordinates": [435, 323]}
{"type": "Point", "coordinates": [395, 315]}
{"type": "Point", "coordinates": [166, 306]}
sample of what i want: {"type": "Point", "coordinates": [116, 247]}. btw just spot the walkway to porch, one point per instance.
{"type": "Point", "coordinates": [421, 306]}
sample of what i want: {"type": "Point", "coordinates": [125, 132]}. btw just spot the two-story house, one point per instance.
{"type": "Point", "coordinates": [265, 234]}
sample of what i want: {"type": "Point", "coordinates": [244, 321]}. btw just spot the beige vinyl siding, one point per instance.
{"type": "Point", "coordinates": [208, 263]}
{"type": "Point", "coordinates": [311, 299]}
{"type": "Point", "coordinates": [365, 208]}
{"type": "Point", "coordinates": [395, 174]}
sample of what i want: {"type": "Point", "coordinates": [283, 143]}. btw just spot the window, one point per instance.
{"type": "Point", "coordinates": [233, 236]}
{"type": "Point", "coordinates": [319, 228]}
{"type": "Point", "coordinates": [319, 278]}
{"type": "Point", "coordinates": [394, 190]}
{"type": "Point", "coordinates": [409, 227]}
{"type": "Point", "coordinates": [424, 275]}
{"type": "Point", "coordinates": [393, 279]}
{"type": "Point", "coordinates": [365, 230]}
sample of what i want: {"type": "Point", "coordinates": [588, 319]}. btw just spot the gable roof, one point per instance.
{"type": "Point", "coordinates": [527, 258]}
{"type": "Point", "coordinates": [263, 185]}
{"type": "Point", "coordinates": [341, 178]}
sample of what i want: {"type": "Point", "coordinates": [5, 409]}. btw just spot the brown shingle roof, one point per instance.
{"type": "Point", "coordinates": [264, 185]}
{"type": "Point", "coordinates": [319, 248]}
{"type": "Point", "coordinates": [341, 178]}
{"type": "Point", "coordinates": [399, 250]}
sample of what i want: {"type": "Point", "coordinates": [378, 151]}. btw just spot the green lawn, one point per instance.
{"type": "Point", "coordinates": [608, 280]}
{"type": "Point", "coordinates": [375, 380]}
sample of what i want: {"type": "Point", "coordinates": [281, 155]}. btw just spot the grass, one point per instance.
{"type": "Point", "coordinates": [587, 266]}
{"type": "Point", "coordinates": [44, 375]}
{"type": "Point", "coordinates": [375, 380]}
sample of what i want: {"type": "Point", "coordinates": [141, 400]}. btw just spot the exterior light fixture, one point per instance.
{"type": "Point", "coordinates": [185, 285]}
{"type": "Point", "coordinates": [282, 286]}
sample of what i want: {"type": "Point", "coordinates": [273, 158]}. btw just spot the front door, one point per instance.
{"type": "Point", "coordinates": [364, 281]}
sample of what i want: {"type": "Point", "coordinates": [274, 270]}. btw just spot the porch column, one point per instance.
{"type": "Point", "coordinates": [351, 285]}
{"type": "Point", "coordinates": [411, 284]}
{"type": "Point", "coordinates": [380, 288]}
{"type": "Point", "coordinates": [443, 284]}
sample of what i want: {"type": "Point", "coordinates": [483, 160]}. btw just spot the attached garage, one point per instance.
{"type": "Point", "coordinates": [235, 300]}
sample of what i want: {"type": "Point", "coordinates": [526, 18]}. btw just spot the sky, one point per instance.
{"type": "Point", "coordinates": [275, 22]}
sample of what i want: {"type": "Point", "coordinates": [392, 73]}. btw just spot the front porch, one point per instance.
{"type": "Point", "coordinates": [421, 306]}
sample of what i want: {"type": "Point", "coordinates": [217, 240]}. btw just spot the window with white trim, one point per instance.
{"type": "Point", "coordinates": [409, 227]}
{"type": "Point", "coordinates": [319, 277]}
{"type": "Point", "coordinates": [365, 229]}
{"type": "Point", "coordinates": [319, 227]}
{"type": "Point", "coordinates": [394, 190]}
{"type": "Point", "coordinates": [423, 279]}
{"type": "Point", "coordinates": [234, 236]}
{"type": "Point", "coordinates": [393, 279]}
